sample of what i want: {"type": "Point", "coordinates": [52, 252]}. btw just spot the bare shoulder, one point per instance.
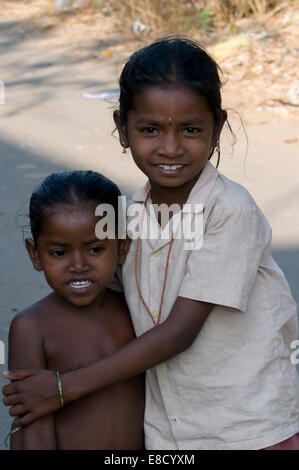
{"type": "Point", "coordinates": [32, 316]}
{"type": "Point", "coordinates": [116, 301]}
{"type": "Point", "coordinates": [26, 337]}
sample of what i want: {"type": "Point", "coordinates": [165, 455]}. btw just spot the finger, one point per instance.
{"type": "Point", "coordinates": [29, 418]}
{"type": "Point", "coordinates": [9, 389]}
{"type": "Point", "coordinates": [18, 374]}
{"type": "Point", "coordinates": [16, 423]}
{"type": "Point", "coordinates": [11, 400]}
{"type": "Point", "coordinates": [17, 410]}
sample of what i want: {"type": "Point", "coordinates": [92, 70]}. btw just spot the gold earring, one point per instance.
{"type": "Point", "coordinates": [217, 148]}
{"type": "Point", "coordinates": [124, 147]}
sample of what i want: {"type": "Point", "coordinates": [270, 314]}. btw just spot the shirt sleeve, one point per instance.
{"type": "Point", "coordinates": [224, 269]}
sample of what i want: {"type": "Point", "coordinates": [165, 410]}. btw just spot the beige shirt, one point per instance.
{"type": "Point", "coordinates": [235, 387]}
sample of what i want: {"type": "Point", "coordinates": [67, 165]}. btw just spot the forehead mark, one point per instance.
{"type": "Point", "coordinates": [169, 121]}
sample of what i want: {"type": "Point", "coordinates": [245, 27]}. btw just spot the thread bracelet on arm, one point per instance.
{"type": "Point", "coordinates": [18, 428]}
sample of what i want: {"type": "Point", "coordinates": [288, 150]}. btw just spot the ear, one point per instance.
{"type": "Point", "coordinates": [218, 130]}
{"type": "Point", "coordinates": [33, 254]}
{"type": "Point", "coordinates": [123, 248]}
{"type": "Point", "coordinates": [121, 127]}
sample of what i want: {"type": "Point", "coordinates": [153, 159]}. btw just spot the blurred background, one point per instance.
{"type": "Point", "coordinates": [59, 69]}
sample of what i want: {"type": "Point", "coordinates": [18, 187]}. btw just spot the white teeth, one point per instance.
{"type": "Point", "coordinates": [170, 167]}
{"type": "Point", "coordinates": [80, 284]}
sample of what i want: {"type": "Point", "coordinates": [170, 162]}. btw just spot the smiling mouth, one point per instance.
{"type": "Point", "coordinates": [170, 169]}
{"type": "Point", "coordinates": [80, 284]}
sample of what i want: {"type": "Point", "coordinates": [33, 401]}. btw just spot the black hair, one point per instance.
{"type": "Point", "coordinates": [72, 188]}
{"type": "Point", "coordinates": [171, 61]}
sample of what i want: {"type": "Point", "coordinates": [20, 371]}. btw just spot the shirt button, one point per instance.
{"type": "Point", "coordinates": [162, 367]}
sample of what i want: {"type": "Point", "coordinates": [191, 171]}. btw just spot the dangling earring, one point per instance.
{"type": "Point", "coordinates": [217, 148]}
{"type": "Point", "coordinates": [124, 148]}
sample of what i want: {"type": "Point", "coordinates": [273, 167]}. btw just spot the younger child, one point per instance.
{"type": "Point", "coordinates": [81, 321]}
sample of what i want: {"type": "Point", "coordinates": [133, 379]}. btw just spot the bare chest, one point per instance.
{"type": "Point", "coordinates": [71, 346]}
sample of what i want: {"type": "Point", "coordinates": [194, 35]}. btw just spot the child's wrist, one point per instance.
{"type": "Point", "coordinates": [71, 387]}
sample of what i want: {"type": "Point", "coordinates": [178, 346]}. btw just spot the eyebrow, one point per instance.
{"type": "Point", "coordinates": [150, 122]}
{"type": "Point", "coordinates": [56, 243]}
{"type": "Point", "coordinates": [91, 242]}
{"type": "Point", "coordinates": [194, 122]}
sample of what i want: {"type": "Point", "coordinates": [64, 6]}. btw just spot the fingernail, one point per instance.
{"type": "Point", "coordinates": [5, 372]}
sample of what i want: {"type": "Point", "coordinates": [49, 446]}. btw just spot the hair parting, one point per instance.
{"type": "Point", "coordinates": [69, 188]}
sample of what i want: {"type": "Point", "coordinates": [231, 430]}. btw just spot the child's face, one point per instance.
{"type": "Point", "coordinates": [76, 264]}
{"type": "Point", "coordinates": [170, 132]}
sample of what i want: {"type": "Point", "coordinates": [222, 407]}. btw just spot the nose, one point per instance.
{"type": "Point", "coordinates": [78, 263]}
{"type": "Point", "coordinates": [171, 144]}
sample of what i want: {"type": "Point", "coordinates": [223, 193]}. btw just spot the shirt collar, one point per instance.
{"type": "Point", "coordinates": [199, 193]}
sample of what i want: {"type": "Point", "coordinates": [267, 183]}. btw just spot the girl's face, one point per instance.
{"type": "Point", "coordinates": [170, 132]}
{"type": "Point", "coordinates": [76, 264]}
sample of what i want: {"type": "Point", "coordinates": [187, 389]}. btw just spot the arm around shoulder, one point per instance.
{"type": "Point", "coordinates": [155, 346]}
{"type": "Point", "coordinates": [38, 392]}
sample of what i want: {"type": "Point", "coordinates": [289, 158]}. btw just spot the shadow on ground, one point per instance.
{"type": "Point", "coordinates": [50, 70]}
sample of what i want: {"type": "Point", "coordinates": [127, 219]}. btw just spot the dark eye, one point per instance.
{"type": "Point", "coordinates": [191, 130]}
{"type": "Point", "coordinates": [57, 253]}
{"type": "Point", "coordinates": [95, 249]}
{"type": "Point", "coordinates": [149, 130]}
